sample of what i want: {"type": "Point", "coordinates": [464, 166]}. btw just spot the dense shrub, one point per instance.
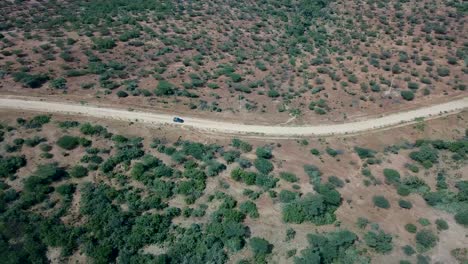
{"type": "Point", "coordinates": [408, 250]}
{"type": "Point", "coordinates": [335, 181]}
{"type": "Point", "coordinates": [288, 176]}
{"type": "Point", "coordinates": [407, 95]}
{"type": "Point", "coordinates": [30, 80]}
{"type": "Point", "coordinates": [260, 246]}
{"type": "Point", "coordinates": [405, 204]}
{"type": "Point", "coordinates": [381, 202]}
{"type": "Point", "coordinates": [68, 142]}
{"type": "Point", "coordinates": [10, 165]}
{"type": "Point", "coordinates": [164, 88]}
{"type": "Point", "coordinates": [426, 239]}
{"type": "Point", "coordinates": [249, 208]}
{"type": "Point", "coordinates": [78, 171]}
{"type": "Point", "coordinates": [263, 165]}
{"type": "Point", "coordinates": [441, 224]}
{"type": "Point", "coordinates": [380, 242]}
{"type": "Point", "coordinates": [391, 176]}
{"type": "Point", "coordinates": [328, 248]}
{"type": "Point", "coordinates": [242, 145]}
{"type": "Point", "coordinates": [364, 153]}
{"type": "Point", "coordinates": [286, 196]}
{"type": "Point", "coordinates": [263, 152]}
{"type": "Point", "coordinates": [411, 228]}
{"type": "Point", "coordinates": [462, 217]}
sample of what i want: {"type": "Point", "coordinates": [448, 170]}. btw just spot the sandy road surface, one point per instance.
{"type": "Point", "coordinates": [233, 128]}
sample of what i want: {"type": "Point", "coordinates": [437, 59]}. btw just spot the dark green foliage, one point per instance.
{"type": "Point", "coordinates": [164, 88]}
{"type": "Point", "coordinates": [362, 222]}
{"type": "Point", "coordinates": [403, 190]}
{"type": "Point", "coordinates": [10, 165]}
{"type": "Point", "coordinates": [462, 217]}
{"type": "Point", "coordinates": [286, 196]}
{"type": "Point", "coordinates": [266, 181]}
{"type": "Point", "coordinates": [249, 208]}
{"type": "Point", "coordinates": [313, 172]}
{"type": "Point", "coordinates": [381, 202]}
{"type": "Point", "coordinates": [391, 176]}
{"type": "Point", "coordinates": [91, 130]}
{"type": "Point", "coordinates": [122, 94]}
{"type": "Point", "coordinates": [59, 83]}
{"type": "Point", "coordinates": [441, 224]}
{"type": "Point", "coordinates": [30, 80]}
{"type": "Point", "coordinates": [260, 246]}
{"type": "Point", "coordinates": [263, 152]}
{"type": "Point", "coordinates": [332, 152]}
{"type": "Point", "coordinates": [37, 186]}
{"type": "Point", "coordinates": [426, 155]}
{"type": "Point", "coordinates": [335, 181]}
{"type": "Point", "coordinates": [231, 156]}
{"type": "Point", "coordinates": [426, 239]}
{"type": "Point", "coordinates": [405, 204]}
{"type": "Point", "coordinates": [364, 153]}
{"type": "Point", "coordinates": [78, 171]}
{"type": "Point", "coordinates": [327, 248]}
{"type": "Point", "coordinates": [316, 208]}
{"type": "Point", "coordinates": [263, 165]}
{"type": "Point", "coordinates": [288, 176]}
{"type": "Point", "coordinates": [66, 190]}
{"type": "Point", "coordinates": [35, 122]}
{"type": "Point", "coordinates": [68, 142]}
{"type": "Point", "coordinates": [68, 124]}
{"type": "Point", "coordinates": [408, 250]}
{"type": "Point", "coordinates": [242, 145]}
{"type": "Point", "coordinates": [380, 242]}
{"type": "Point", "coordinates": [407, 95]}
{"type": "Point", "coordinates": [103, 43]}
{"type": "Point", "coordinates": [290, 234]}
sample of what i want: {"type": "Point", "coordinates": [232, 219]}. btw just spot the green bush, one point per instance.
{"type": "Point", "coordinates": [335, 181]}
{"type": "Point", "coordinates": [315, 152]}
{"type": "Point", "coordinates": [122, 94]}
{"type": "Point", "coordinates": [263, 165]}
{"type": "Point", "coordinates": [249, 208]}
{"type": "Point", "coordinates": [288, 176]}
{"type": "Point", "coordinates": [407, 95]}
{"type": "Point", "coordinates": [68, 142]}
{"type": "Point", "coordinates": [364, 153]}
{"type": "Point", "coordinates": [380, 242]}
{"type": "Point", "coordinates": [441, 224]}
{"type": "Point", "coordinates": [59, 83]}
{"type": "Point", "coordinates": [405, 204]}
{"type": "Point", "coordinates": [381, 202]}
{"type": "Point", "coordinates": [78, 171]}
{"type": "Point", "coordinates": [411, 228]}
{"type": "Point", "coordinates": [403, 190]}
{"type": "Point", "coordinates": [30, 80]}
{"type": "Point", "coordinates": [260, 246]}
{"type": "Point", "coordinates": [426, 239]}
{"type": "Point", "coordinates": [424, 221]}
{"type": "Point", "coordinates": [391, 176]}
{"type": "Point", "coordinates": [461, 217]}
{"type": "Point", "coordinates": [164, 88]}
{"type": "Point", "coordinates": [263, 152]}
{"type": "Point", "coordinates": [286, 196]}
{"type": "Point", "coordinates": [408, 250]}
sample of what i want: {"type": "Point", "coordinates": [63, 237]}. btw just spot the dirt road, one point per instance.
{"type": "Point", "coordinates": [215, 126]}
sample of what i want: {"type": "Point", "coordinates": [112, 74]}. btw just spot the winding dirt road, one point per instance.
{"type": "Point", "coordinates": [391, 120]}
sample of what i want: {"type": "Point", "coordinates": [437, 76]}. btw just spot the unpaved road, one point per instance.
{"type": "Point", "coordinates": [215, 126]}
